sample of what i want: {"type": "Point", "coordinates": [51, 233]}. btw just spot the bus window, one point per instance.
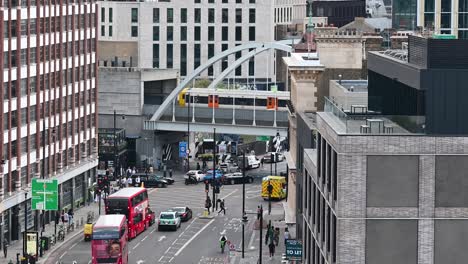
{"type": "Point", "coordinates": [137, 219]}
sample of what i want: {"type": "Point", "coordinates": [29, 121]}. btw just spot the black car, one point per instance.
{"type": "Point", "coordinates": [184, 213]}
{"type": "Point", "coordinates": [236, 178]}
{"type": "Point", "coordinates": [149, 181]}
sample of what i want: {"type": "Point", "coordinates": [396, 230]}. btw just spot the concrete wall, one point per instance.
{"type": "Point", "coordinates": [340, 53]}
{"type": "Point", "coordinates": [345, 98]}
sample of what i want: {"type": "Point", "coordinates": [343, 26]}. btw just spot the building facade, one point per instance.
{"type": "Point", "coordinates": [49, 120]}
{"type": "Point", "coordinates": [184, 34]}
{"type": "Point", "coordinates": [339, 13]}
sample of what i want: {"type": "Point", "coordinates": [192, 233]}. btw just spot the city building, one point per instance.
{"type": "Point", "coordinates": [184, 34]}
{"type": "Point", "coordinates": [386, 185]}
{"type": "Point", "coordinates": [443, 16]}
{"type": "Point", "coordinates": [349, 95]}
{"type": "Point", "coordinates": [339, 13]}
{"type": "Point", "coordinates": [49, 119]}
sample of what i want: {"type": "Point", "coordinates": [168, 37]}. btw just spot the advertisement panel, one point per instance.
{"type": "Point", "coordinates": [32, 242]}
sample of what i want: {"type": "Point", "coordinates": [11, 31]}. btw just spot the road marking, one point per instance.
{"type": "Point", "coordinates": [161, 258]}
{"type": "Point", "coordinates": [251, 241]}
{"type": "Point", "coordinates": [136, 245]}
{"type": "Point", "coordinates": [144, 238]}
{"type": "Point", "coordinates": [73, 246]}
{"type": "Point", "coordinates": [64, 253]}
{"type": "Point", "coordinates": [152, 190]}
{"type": "Point", "coordinates": [161, 238]}
{"type": "Point", "coordinates": [89, 262]}
{"type": "Point", "coordinates": [169, 248]}
{"type": "Point", "coordinates": [229, 194]}
{"type": "Point", "coordinates": [152, 231]}
{"type": "Point", "coordinates": [171, 259]}
{"type": "Point", "coordinates": [194, 236]}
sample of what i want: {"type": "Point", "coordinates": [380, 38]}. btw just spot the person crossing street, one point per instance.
{"type": "Point", "coordinates": [222, 208]}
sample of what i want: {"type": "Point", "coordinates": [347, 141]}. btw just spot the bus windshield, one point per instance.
{"type": "Point", "coordinates": [117, 206]}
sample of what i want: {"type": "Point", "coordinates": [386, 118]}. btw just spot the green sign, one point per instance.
{"type": "Point", "coordinates": [44, 194]}
{"type": "Point", "coordinates": [263, 138]}
{"type": "Point", "coordinates": [293, 249]}
{"type": "Point", "coordinates": [444, 36]}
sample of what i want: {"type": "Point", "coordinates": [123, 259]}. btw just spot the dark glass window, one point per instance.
{"type": "Point", "coordinates": [224, 33]}
{"type": "Point", "coordinates": [252, 67]}
{"type": "Point", "coordinates": [225, 15]}
{"type": "Point", "coordinates": [103, 14]}
{"type": "Point", "coordinates": [155, 15]}
{"type": "Point", "coordinates": [239, 68]}
{"type": "Point", "coordinates": [156, 33]}
{"type": "Point", "coordinates": [238, 33]}
{"type": "Point", "coordinates": [252, 15]}
{"type": "Point", "coordinates": [197, 34]}
{"type": "Point", "coordinates": [211, 15]}
{"type": "Point", "coordinates": [134, 15]}
{"type": "Point", "coordinates": [170, 55]}
{"type": "Point", "coordinates": [238, 15]}
{"type": "Point", "coordinates": [197, 52]}
{"type": "Point", "coordinates": [170, 33]}
{"type": "Point", "coordinates": [170, 15]}
{"type": "Point", "coordinates": [134, 31]}
{"type": "Point", "coordinates": [183, 33]}
{"type": "Point", "coordinates": [183, 59]}
{"type": "Point", "coordinates": [197, 16]}
{"type": "Point", "coordinates": [110, 31]}
{"type": "Point", "coordinates": [211, 33]}
{"type": "Point", "coordinates": [183, 15]}
{"type": "Point", "coordinates": [103, 30]}
{"type": "Point", "coordinates": [111, 15]}
{"type": "Point", "coordinates": [252, 33]}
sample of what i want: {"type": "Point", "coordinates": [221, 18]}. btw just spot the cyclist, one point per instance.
{"type": "Point", "coordinates": [222, 242]}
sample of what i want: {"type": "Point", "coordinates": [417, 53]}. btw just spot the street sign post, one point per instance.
{"type": "Point", "coordinates": [44, 194]}
{"type": "Point", "coordinates": [182, 149]}
{"type": "Point", "coordinates": [293, 249]}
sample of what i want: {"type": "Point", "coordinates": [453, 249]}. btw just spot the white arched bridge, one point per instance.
{"type": "Point", "coordinates": [233, 111]}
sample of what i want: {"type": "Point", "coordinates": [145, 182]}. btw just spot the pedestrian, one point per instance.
{"type": "Point", "coordinates": [64, 217]}
{"type": "Point", "coordinates": [259, 212]}
{"type": "Point", "coordinates": [267, 234]}
{"type": "Point", "coordinates": [129, 181]}
{"type": "Point", "coordinates": [5, 247]}
{"type": "Point", "coordinates": [204, 164]}
{"type": "Point", "coordinates": [137, 181]}
{"type": "Point", "coordinates": [221, 205]}
{"type": "Point", "coordinates": [208, 204]}
{"type": "Point", "coordinates": [129, 172]}
{"type": "Point", "coordinates": [170, 173]}
{"type": "Point", "coordinates": [124, 182]}
{"type": "Point", "coordinates": [276, 236]}
{"type": "Point", "coordinates": [70, 216]}
{"type": "Point", "coordinates": [261, 162]}
{"type": "Point", "coordinates": [271, 247]}
{"type": "Point", "coordinates": [134, 171]}
{"type": "Point", "coordinates": [286, 235]}
{"type": "Point", "coordinates": [198, 165]}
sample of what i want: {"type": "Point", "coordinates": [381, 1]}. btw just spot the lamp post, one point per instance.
{"type": "Point", "coordinates": [244, 222]}
{"type": "Point", "coordinates": [25, 221]}
{"type": "Point", "coordinates": [115, 146]}
{"type": "Point", "coordinates": [188, 131]}
{"type": "Point", "coordinates": [261, 236]}
{"type": "Point", "coordinates": [214, 169]}
{"type": "Point", "coordinates": [244, 217]}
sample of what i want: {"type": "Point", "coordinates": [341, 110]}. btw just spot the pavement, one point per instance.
{"type": "Point", "coordinates": [196, 241]}
{"type": "Point", "coordinates": [80, 216]}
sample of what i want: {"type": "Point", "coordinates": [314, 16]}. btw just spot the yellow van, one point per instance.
{"type": "Point", "coordinates": [278, 190]}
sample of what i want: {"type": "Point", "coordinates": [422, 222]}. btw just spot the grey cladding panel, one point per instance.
{"type": "Point", "coordinates": [391, 241]}
{"type": "Point", "coordinates": [392, 181]}
{"type": "Point", "coordinates": [450, 241]}
{"type": "Point", "coordinates": [451, 181]}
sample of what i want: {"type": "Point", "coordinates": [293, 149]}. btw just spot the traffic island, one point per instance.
{"type": "Point", "coordinates": [206, 215]}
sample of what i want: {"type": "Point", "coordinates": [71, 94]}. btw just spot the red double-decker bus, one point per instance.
{"type": "Point", "coordinates": [109, 243]}
{"type": "Point", "coordinates": [134, 204]}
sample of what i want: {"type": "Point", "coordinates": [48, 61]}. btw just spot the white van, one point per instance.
{"type": "Point", "coordinates": [252, 162]}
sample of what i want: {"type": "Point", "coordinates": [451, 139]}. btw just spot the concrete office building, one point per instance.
{"type": "Point", "coordinates": [387, 186]}
{"type": "Point", "coordinates": [443, 16]}
{"type": "Point", "coordinates": [184, 34]}
{"type": "Point", "coordinates": [49, 89]}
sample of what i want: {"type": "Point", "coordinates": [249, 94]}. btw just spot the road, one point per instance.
{"type": "Point", "coordinates": [197, 240]}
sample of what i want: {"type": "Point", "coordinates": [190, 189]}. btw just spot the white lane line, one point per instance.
{"type": "Point", "coordinates": [152, 231]}
{"type": "Point", "coordinates": [73, 246]}
{"type": "Point", "coordinates": [194, 236]}
{"type": "Point", "coordinates": [169, 248]}
{"type": "Point", "coordinates": [171, 259]}
{"type": "Point", "coordinates": [144, 238]}
{"type": "Point", "coordinates": [161, 238]}
{"type": "Point", "coordinates": [89, 262]}
{"type": "Point", "coordinates": [64, 253]}
{"type": "Point", "coordinates": [174, 242]}
{"type": "Point", "coordinates": [129, 252]}
{"type": "Point", "coordinates": [136, 245]}
{"type": "Point", "coordinates": [251, 240]}
{"type": "Point", "coordinates": [160, 258]}
{"type": "Point", "coordinates": [229, 194]}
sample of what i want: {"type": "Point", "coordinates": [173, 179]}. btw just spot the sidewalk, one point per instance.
{"type": "Point", "coordinates": [80, 213]}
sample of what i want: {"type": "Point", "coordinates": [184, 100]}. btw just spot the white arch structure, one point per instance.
{"type": "Point", "coordinates": [258, 48]}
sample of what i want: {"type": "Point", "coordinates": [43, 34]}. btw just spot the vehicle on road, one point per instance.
{"type": "Point", "coordinates": [198, 174]}
{"type": "Point", "coordinates": [134, 204]}
{"type": "Point", "coordinates": [209, 174]}
{"type": "Point", "coordinates": [88, 231]}
{"type": "Point", "coordinates": [251, 162]}
{"type": "Point", "coordinates": [191, 180]}
{"type": "Point", "coordinates": [168, 220]}
{"type": "Point", "coordinates": [184, 213]}
{"type": "Point", "coordinates": [236, 178]}
{"type": "Point", "coordinates": [278, 187]}
{"type": "Point", "coordinates": [149, 180]}
{"type": "Point", "coordinates": [110, 238]}
{"type": "Point", "coordinates": [277, 157]}
{"type": "Point", "coordinates": [223, 167]}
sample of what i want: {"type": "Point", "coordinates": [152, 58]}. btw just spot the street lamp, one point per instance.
{"type": "Point", "coordinates": [244, 222]}
{"type": "Point", "coordinates": [25, 221]}
{"type": "Point", "coordinates": [115, 145]}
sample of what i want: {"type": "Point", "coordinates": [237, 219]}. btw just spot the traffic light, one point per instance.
{"type": "Point", "coordinates": [207, 186]}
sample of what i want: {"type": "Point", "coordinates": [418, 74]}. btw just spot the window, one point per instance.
{"type": "Point", "coordinates": [103, 14]}
{"type": "Point", "coordinates": [183, 33]}
{"type": "Point", "coordinates": [211, 1]}
{"type": "Point", "coordinates": [197, 55]}
{"type": "Point", "coordinates": [103, 31]}
{"type": "Point", "coordinates": [134, 31]}
{"type": "Point", "coordinates": [252, 67]}
{"type": "Point", "coordinates": [170, 55]}
{"type": "Point", "coordinates": [155, 33]}
{"type": "Point", "coordinates": [155, 15]}
{"type": "Point", "coordinates": [211, 15]}
{"type": "Point", "coordinates": [239, 68]}
{"type": "Point", "coordinates": [134, 15]}
{"type": "Point", "coordinates": [170, 33]}
{"type": "Point", "coordinates": [211, 33]}
{"type": "Point", "coordinates": [111, 15]}
{"type": "Point", "coordinates": [183, 15]}
{"type": "Point", "coordinates": [183, 59]}
{"type": "Point", "coordinates": [251, 33]}
{"type": "Point", "coordinates": [238, 15]}
{"type": "Point", "coordinates": [238, 33]}
{"type": "Point", "coordinates": [225, 1]}
{"type": "Point", "coordinates": [252, 1]}
{"type": "Point", "coordinates": [24, 27]}
{"type": "Point", "coordinates": [239, 1]}
{"type": "Point", "coordinates": [170, 15]}
{"type": "Point", "coordinates": [252, 15]}
{"type": "Point", "coordinates": [197, 34]}
{"type": "Point", "coordinates": [155, 55]}
{"type": "Point", "coordinates": [210, 54]}
{"type": "Point", "coordinates": [224, 33]}
{"type": "Point", "coordinates": [225, 15]}
{"type": "Point", "coordinates": [110, 31]}
{"type": "Point", "coordinates": [197, 17]}
{"type": "Point", "coordinates": [197, 1]}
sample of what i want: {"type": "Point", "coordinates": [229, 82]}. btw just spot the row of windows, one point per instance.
{"type": "Point", "coordinates": [49, 52]}
{"type": "Point", "coordinates": [197, 16]}
{"type": "Point", "coordinates": [15, 3]}
{"type": "Point", "coordinates": [197, 33]}
{"type": "Point", "coordinates": [67, 129]}
{"type": "Point", "coordinates": [47, 25]}
{"type": "Point", "coordinates": [46, 80]}
{"type": "Point", "coordinates": [197, 58]}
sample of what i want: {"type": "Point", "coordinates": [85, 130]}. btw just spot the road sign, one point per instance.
{"type": "Point", "coordinates": [182, 149]}
{"type": "Point", "coordinates": [44, 194]}
{"type": "Point", "coordinates": [293, 249]}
